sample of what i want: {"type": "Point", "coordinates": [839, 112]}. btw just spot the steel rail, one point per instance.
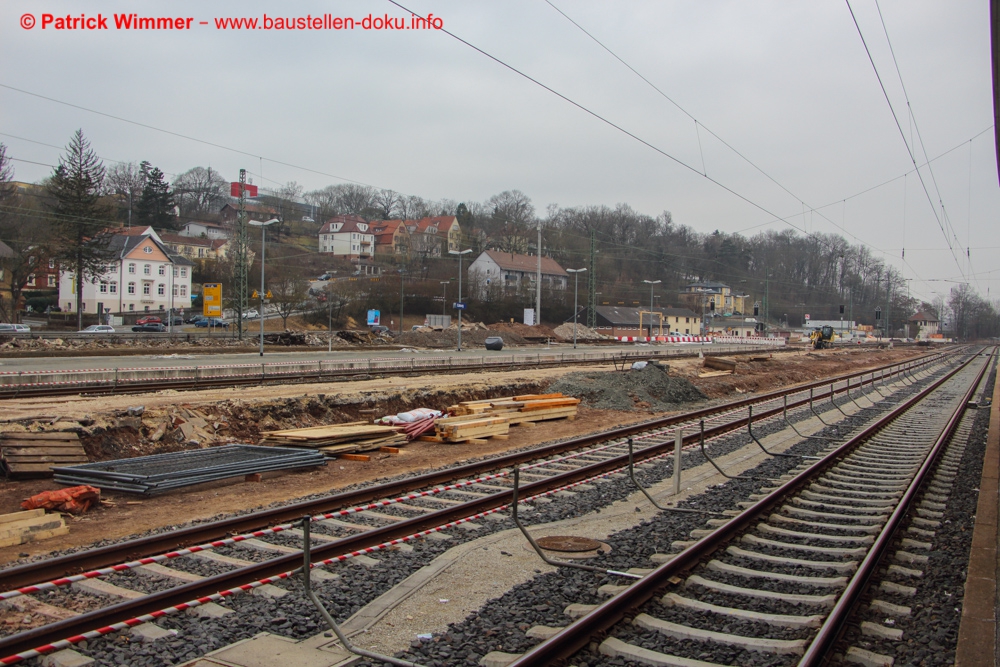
{"type": "Point", "coordinates": [579, 634]}
{"type": "Point", "coordinates": [75, 626]}
{"type": "Point", "coordinates": [92, 559]}
{"type": "Point", "coordinates": [833, 626]}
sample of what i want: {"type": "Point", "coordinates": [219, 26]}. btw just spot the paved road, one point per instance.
{"type": "Point", "coordinates": [162, 360]}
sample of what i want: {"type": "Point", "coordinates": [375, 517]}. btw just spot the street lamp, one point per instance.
{"type": "Point", "coordinates": [460, 304]}
{"type": "Point", "coordinates": [651, 283]}
{"type": "Point", "coordinates": [263, 251]}
{"type": "Point", "coordinates": [444, 298]}
{"type": "Point", "coordinates": [576, 289]}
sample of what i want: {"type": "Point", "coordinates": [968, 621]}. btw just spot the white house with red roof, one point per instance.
{"type": "Point", "coordinates": [513, 271]}
{"type": "Point", "coordinates": [347, 236]}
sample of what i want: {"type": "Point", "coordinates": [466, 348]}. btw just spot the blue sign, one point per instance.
{"type": "Point", "coordinates": [458, 306]}
{"type": "Point", "coordinates": [373, 317]}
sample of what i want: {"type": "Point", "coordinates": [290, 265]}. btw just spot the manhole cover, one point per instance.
{"type": "Point", "coordinates": [570, 543]}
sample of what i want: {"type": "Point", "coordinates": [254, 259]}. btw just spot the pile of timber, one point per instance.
{"type": "Point", "coordinates": [721, 366]}
{"type": "Point", "coordinates": [473, 421]}
{"type": "Point", "coordinates": [338, 438]}
{"type": "Point", "coordinates": [30, 526]}
{"type": "Point", "coordinates": [32, 455]}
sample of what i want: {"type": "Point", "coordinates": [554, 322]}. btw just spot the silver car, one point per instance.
{"type": "Point", "coordinates": [15, 328]}
{"type": "Point", "coordinates": [98, 328]}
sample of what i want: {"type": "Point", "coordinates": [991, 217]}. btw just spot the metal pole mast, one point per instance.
{"type": "Point", "coordinates": [592, 283]}
{"type": "Point", "coordinates": [538, 278]}
{"type": "Point", "coordinates": [242, 262]}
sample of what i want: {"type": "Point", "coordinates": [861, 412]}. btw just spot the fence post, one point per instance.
{"type": "Point", "coordinates": [678, 443]}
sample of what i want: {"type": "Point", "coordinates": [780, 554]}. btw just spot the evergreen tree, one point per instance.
{"type": "Point", "coordinates": [80, 215]}
{"type": "Point", "coordinates": [156, 205]}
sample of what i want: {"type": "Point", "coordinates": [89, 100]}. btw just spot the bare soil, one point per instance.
{"type": "Point", "coordinates": [239, 415]}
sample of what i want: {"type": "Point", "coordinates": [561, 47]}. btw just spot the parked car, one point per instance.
{"type": "Point", "coordinates": [98, 329]}
{"type": "Point", "coordinates": [251, 314]}
{"type": "Point", "coordinates": [325, 276]}
{"type": "Point", "coordinates": [15, 328]}
{"type": "Point", "coordinates": [193, 319]}
{"type": "Point", "coordinates": [494, 343]}
{"type": "Point", "coordinates": [176, 320]}
{"type": "Point", "coordinates": [212, 322]}
{"type": "Point", "coordinates": [380, 329]}
{"type": "Point", "coordinates": [149, 319]}
{"type": "Point", "coordinates": [150, 327]}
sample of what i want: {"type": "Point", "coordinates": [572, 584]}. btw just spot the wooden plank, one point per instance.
{"type": "Point", "coordinates": [431, 438]}
{"type": "Point", "coordinates": [60, 435]}
{"type": "Point", "coordinates": [34, 449]}
{"type": "Point", "coordinates": [31, 524]}
{"type": "Point", "coordinates": [390, 450]}
{"type": "Point", "coordinates": [714, 374]}
{"type": "Point", "coordinates": [339, 449]}
{"type": "Point", "coordinates": [719, 363]}
{"type": "Point", "coordinates": [33, 537]}
{"type": "Point", "coordinates": [355, 457]}
{"type": "Point", "coordinates": [20, 516]}
{"type": "Point", "coordinates": [66, 459]}
{"type": "Point", "coordinates": [535, 397]}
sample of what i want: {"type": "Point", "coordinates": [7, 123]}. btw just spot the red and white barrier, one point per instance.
{"type": "Point", "coordinates": [664, 339]}
{"type": "Point", "coordinates": [750, 340]}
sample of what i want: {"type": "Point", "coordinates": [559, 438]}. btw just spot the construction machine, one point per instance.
{"type": "Point", "coordinates": [821, 337]}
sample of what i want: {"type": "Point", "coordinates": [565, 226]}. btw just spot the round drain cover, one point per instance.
{"type": "Point", "coordinates": [570, 543]}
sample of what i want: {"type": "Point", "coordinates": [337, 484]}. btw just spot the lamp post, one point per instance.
{"type": "Point", "coordinates": [576, 289]}
{"type": "Point", "coordinates": [651, 283]}
{"type": "Point", "coordinates": [263, 252]}
{"type": "Point", "coordinates": [444, 297]}
{"type": "Point", "coordinates": [402, 273]}
{"type": "Point", "coordinates": [460, 253]}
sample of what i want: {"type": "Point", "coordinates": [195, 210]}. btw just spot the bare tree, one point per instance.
{"type": "Point", "coordinates": [200, 190]}
{"type": "Point", "coordinates": [126, 180]}
{"type": "Point", "coordinates": [387, 202]}
{"type": "Point", "coordinates": [289, 288]}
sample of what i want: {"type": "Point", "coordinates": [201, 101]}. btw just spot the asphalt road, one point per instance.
{"type": "Point", "coordinates": [312, 355]}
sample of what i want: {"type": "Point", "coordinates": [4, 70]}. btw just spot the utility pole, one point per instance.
{"type": "Point", "coordinates": [592, 283]}
{"type": "Point", "coordinates": [538, 278]}
{"type": "Point", "coordinates": [401, 274]}
{"type": "Point", "coordinates": [242, 259]}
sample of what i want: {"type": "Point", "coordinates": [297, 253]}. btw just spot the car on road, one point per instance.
{"type": "Point", "coordinates": [494, 343]}
{"type": "Point", "coordinates": [325, 276]}
{"type": "Point", "coordinates": [212, 322]}
{"type": "Point", "coordinates": [15, 328]}
{"type": "Point", "coordinates": [150, 327]}
{"type": "Point", "coordinates": [98, 329]}
{"type": "Point", "coordinates": [176, 320]}
{"type": "Point", "coordinates": [193, 319]}
{"type": "Point", "coordinates": [379, 329]}
{"type": "Point", "coordinates": [149, 319]}
{"type": "Point", "coordinates": [251, 314]}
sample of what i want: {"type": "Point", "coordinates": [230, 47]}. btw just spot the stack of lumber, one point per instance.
{"type": "Point", "coordinates": [339, 438]}
{"type": "Point", "coordinates": [32, 455]}
{"type": "Point", "coordinates": [469, 428]}
{"type": "Point", "coordinates": [30, 526]}
{"type": "Point", "coordinates": [521, 409]}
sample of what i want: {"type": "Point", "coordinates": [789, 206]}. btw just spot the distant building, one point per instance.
{"type": "Point", "coordinates": [923, 324]}
{"type": "Point", "coordinates": [702, 295]}
{"type": "Point", "coordinates": [391, 237]}
{"type": "Point", "coordinates": [196, 247]}
{"type": "Point", "coordinates": [347, 236]}
{"type": "Point", "coordinates": [144, 276]}
{"type": "Point", "coordinates": [512, 271]}
{"type": "Point", "coordinates": [734, 326]}
{"type": "Point", "coordinates": [434, 237]}
{"type": "Point", "coordinates": [208, 230]}
{"type": "Point", "coordinates": [621, 321]}
{"type": "Point", "coordinates": [259, 212]}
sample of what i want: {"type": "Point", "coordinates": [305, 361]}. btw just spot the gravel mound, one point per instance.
{"type": "Point", "coordinates": [648, 388]}
{"type": "Point", "coordinates": [565, 332]}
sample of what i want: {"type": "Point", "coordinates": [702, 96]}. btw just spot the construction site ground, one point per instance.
{"type": "Point", "coordinates": [240, 415]}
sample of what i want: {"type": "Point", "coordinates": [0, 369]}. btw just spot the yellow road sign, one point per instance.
{"type": "Point", "coordinates": [254, 295]}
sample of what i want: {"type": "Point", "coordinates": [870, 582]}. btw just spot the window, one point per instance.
{"type": "Point", "coordinates": [103, 288]}
{"type": "Point", "coordinates": [131, 288]}
{"type": "Point", "coordinates": [131, 267]}
{"type": "Point", "coordinates": [184, 290]}
{"type": "Point", "coordinates": [114, 287]}
{"type": "Point", "coordinates": [184, 272]}
{"type": "Point", "coordinates": [163, 270]}
{"type": "Point", "coordinates": [131, 306]}
{"type": "Point", "coordinates": [31, 280]}
{"type": "Point", "coordinates": [161, 289]}
{"type": "Point", "coordinates": [201, 252]}
{"type": "Point", "coordinates": [175, 290]}
{"type": "Point", "coordinates": [147, 288]}
{"type": "Point", "coordinates": [146, 269]}
{"type": "Point", "coordinates": [52, 263]}
{"type": "Point", "coordinates": [148, 249]}
{"type": "Point", "coordinates": [175, 272]}
{"type": "Point", "coordinates": [146, 308]}
{"type": "Point", "coordinates": [687, 320]}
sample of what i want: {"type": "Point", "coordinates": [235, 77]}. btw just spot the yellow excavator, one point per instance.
{"type": "Point", "coordinates": [821, 337]}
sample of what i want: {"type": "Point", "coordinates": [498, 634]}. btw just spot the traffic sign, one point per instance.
{"type": "Point", "coordinates": [255, 295]}
{"type": "Point", "coordinates": [268, 295]}
{"type": "Point", "coordinates": [807, 317]}
{"type": "Point", "coordinates": [458, 306]}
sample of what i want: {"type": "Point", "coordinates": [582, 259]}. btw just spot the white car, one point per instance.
{"type": "Point", "coordinates": [98, 328]}
{"type": "Point", "coordinates": [251, 314]}
{"type": "Point", "coordinates": [15, 328]}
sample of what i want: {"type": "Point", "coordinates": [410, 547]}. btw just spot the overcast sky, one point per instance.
{"type": "Point", "coordinates": [787, 84]}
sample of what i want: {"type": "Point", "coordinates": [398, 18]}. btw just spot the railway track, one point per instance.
{"type": "Point", "coordinates": [251, 552]}
{"type": "Point", "coordinates": [103, 381]}
{"type": "Point", "coordinates": [775, 582]}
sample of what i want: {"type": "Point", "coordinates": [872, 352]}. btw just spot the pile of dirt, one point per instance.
{"type": "Point", "coordinates": [565, 332]}
{"type": "Point", "coordinates": [449, 338]}
{"type": "Point", "coordinates": [523, 330]}
{"type": "Point", "coordinates": [650, 388]}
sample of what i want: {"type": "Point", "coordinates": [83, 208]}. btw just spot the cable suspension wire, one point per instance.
{"type": "Point", "coordinates": [902, 134]}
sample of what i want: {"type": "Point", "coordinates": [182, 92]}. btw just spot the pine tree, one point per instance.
{"type": "Point", "coordinates": [80, 215]}
{"type": "Point", "coordinates": [156, 205]}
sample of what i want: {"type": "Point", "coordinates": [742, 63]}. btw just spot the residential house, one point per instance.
{"type": "Point", "coordinates": [924, 324]}
{"type": "Point", "coordinates": [347, 236]}
{"type": "Point", "coordinates": [209, 230]}
{"type": "Point", "coordinates": [391, 237]}
{"type": "Point", "coordinates": [434, 237]}
{"type": "Point", "coordinates": [195, 247]}
{"type": "Point", "coordinates": [704, 294]}
{"type": "Point", "coordinates": [624, 321]}
{"type": "Point", "coordinates": [512, 271]}
{"type": "Point", "coordinates": [144, 276]}
{"type": "Point", "coordinates": [735, 326]}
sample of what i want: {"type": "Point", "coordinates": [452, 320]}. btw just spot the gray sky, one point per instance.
{"type": "Point", "coordinates": [788, 84]}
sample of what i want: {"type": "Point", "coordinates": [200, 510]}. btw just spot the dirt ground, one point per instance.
{"type": "Point", "coordinates": [306, 405]}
